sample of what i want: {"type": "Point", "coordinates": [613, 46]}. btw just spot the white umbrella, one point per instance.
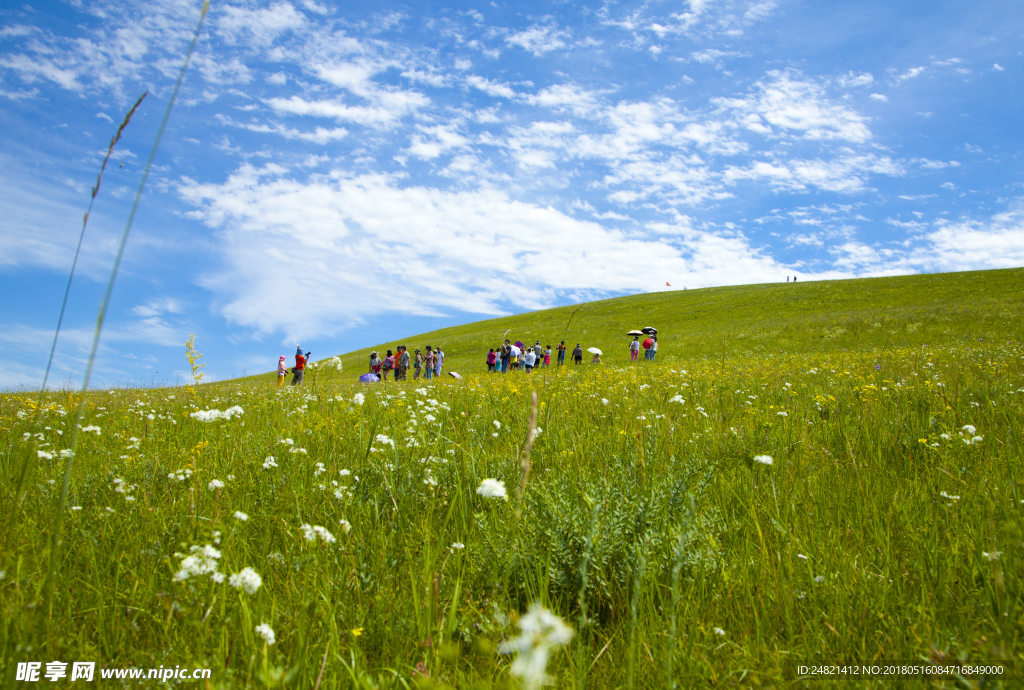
{"type": "Point", "coordinates": [455, 374]}
{"type": "Point", "coordinates": [515, 351]}
{"type": "Point", "coordinates": [594, 351]}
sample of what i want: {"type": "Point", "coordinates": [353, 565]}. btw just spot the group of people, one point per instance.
{"type": "Point", "coordinates": [397, 364]}
{"type": "Point", "coordinates": [298, 371]}
{"type": "Point", "coordinates": [650, 346]}
{"type": "Point", "coordinates": [508, 357]}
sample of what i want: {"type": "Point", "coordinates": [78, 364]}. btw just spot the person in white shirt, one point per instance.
{"type": "Point", "coordinates": [440, 360]}
{"type": "Point", "coordinates": [531, 358]}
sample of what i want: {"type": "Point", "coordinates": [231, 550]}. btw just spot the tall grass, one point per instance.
{"type": "Point", "coordinates": [882, 530]}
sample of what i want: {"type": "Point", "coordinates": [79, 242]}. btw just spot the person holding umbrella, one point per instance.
{"type": "Point", "coordinates": [634, 348]}
{"type": "Point", "coordinates": [597, 355]}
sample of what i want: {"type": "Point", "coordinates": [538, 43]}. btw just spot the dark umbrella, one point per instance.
{"type": "Point", "coordinates": [635, 332]}
{"type": "Point", "coordinates": [519, 344]}
{"type": "Point", "coordinates": [368, 378]}
{"type": "Point", "coordinates": [650, 330]}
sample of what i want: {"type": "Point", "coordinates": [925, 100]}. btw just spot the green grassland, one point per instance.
{"type": "Point", "coordinates": [753, 319]}
{"type": "Point", "coordinates": [887, 527]}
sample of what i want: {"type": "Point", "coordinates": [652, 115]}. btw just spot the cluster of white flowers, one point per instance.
{"type": "Point", "coordinates": [763, 459]}
{"type": "Point", "coordinates": [457, 546]}
{"type": "Point", "coordinates": [269, 462]}
{"type": "Point", "coordinates": [214, 415]}
{"type": "Point", "coordinates": [313, 532]}
{"type": "Point", "coordinates": [359, 398]}
{"type": "Point", "coordinates": [240, 516]}
{"type": "Point", "coordinates": [782, 414]}
{"type": "Point", "coordinates": [247, 580]}
{"type": "Point", "coordinates": [674, 399]}
{"type": "Point", "coordinates": [968, 432]}
{"type": "Point", "coordinates": [541, 633]}
{"type": "Point", "coordinates": [346, 526]}
{"type": "Point", "coordinates": [537, 432]}
{"type": "Point", "coordinates": [320, 469]}
{"type": "Point", "coordinates": [202, 560]}
{"type": "Point", "coordinates": [267, 633]}
{"type": "Point", "coordinates": [492, 488]}
{"type": "Point", "coordinates": [215, 484]}
{"type": "Point", "coordinates": [42, 454]}
{"type": "Point", "coordinates": [121, 487]}
{"type": "Point", "coordinates": [180, 475]}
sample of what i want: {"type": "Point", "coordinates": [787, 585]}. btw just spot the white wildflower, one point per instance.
{"type": "Point", "coordinates": [248, 580]}
{"type": "Point", "coordinates": [269, 462]}
{"type": "Point", "coordinates": [782, 414]}
{"type": "Point", "coordinates": [994, 556]}
{"type": "Point", "coordinates": [346, 526]}
{"type": "Point", "coordinates": [605, 401]}
{"type": "Point", "coordinates": [97, 429]}
{"type": "Point", "coordinates": [381, 438]}
{"type": "Point", "coordinates": [200, 561]}
{"type": "Point", "coordinates": [800, 555]}
{"type": "Point", "coordinates": [267, 633]}
{"type": "Point", "coordinates": [215, 484]}
{"type": "Point", "coordinates": [313, 532]}
{"type": "Point", "coordinates": [358, 398]}
{"type": "Point", "coordinates": [42, 454]}
{"type": "Point", "coordinates": [719, 632]}
{"type": "Point", "coordinates": [969, 428]}
{"type": "Point", "coordinates": [537, 432]}
{"type": "Point", "coordinates": [497, 424]}
{"type": "Point", "coordinates": [458, 546]}
{"type": "Point", "coordinates": [492, 488]}
{"type": "Point", "coordinates": [541, 633]}
{"type": "Point", "coordinates": [763, 459]}
{"type": "Point", "coordinates": [344, 473]}
{"type": "Point", "coordinates": [241, 517]}
{"type": "Point", "coordinates": [952, 498]}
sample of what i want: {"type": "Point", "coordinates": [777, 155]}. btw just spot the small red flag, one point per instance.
{"type": "Point", "coordinates": [667, 283]}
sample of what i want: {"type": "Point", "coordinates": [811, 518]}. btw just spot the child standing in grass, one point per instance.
{"type": "Point", "coordinates": [547, 356]}
{"type": "Point", "coordinates": [282, 371]}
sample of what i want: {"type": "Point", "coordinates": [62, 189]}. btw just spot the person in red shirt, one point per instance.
{"type": "Point", "coordinates": [300, 368]}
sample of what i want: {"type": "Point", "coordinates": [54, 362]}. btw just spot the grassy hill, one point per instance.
{"type": "Point", "coordinates": [811, 474]}
{"type": "Point", "coordinates": [748, 319]}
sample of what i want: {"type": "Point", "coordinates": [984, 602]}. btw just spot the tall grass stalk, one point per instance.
{"type": "Point", "coordinates": [55, 548]}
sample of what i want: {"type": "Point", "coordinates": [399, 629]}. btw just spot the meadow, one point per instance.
{"type": "Point", "coordinates": [817, 473]}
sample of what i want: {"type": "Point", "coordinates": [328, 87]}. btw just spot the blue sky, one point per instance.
{"type": "Point", "coordinates": [340, 175]}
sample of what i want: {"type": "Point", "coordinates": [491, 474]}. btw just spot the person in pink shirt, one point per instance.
{"type": "Point", "coordinates": [282, 371]}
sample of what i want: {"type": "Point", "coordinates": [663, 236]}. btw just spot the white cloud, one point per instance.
{"type": "Point", "coordinates": [258, 26]}
{"type": "Point", "coordinates": [491, 88]}
{"type": "Point", "coordinates": [565, 97]}
{"type": "Point", "coordinates": [909, 74]}
{"type": "Point", "coordinates": [997, 68]}
{"type": "Point", "coordinates": [538, 39]}
{"type": "Point", "coordinates": [335, 243]}
{"type": "Point", "coordinates": [879, 97]}
{"type": "Point", "coordinates": [795, 104]}
{"type": "Point", "coordinates": [852, 79]}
